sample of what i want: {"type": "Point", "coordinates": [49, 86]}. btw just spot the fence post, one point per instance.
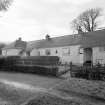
{"type": "Point", "coordinates": [70, 69]}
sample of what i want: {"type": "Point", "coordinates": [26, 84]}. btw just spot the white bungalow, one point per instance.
{"type": "Point", "coordinates": [78, 48]}
{"type": "Point", "coordinates": [17, 48]}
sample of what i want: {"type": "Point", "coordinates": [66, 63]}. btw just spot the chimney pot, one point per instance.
{"type": "Point", "coordinates": [47, 37]}
{"type": "Point", "coordinates": [80, 30]}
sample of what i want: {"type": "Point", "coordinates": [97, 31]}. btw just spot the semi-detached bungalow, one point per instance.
{"type": "Point", "coordinates": [16, 48]}
{"type": "Point", "coordinates": [78, 48]}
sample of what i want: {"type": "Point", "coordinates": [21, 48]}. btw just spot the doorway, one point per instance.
{"type": "Point", "coordinates": [88, 56]}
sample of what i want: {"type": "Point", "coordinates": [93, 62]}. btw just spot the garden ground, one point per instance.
{"type": "Point", "coordinates": [31, 89]}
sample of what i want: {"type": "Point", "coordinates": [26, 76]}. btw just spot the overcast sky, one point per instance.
{"type": "Point", "coordinates": [33, 19]}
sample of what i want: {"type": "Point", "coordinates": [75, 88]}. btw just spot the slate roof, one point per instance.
{"type": "Point", "coordinates": [53, 42]}
{"type": "Point", "coordinates": [93, 39]}
{"type": "Point", "coordinates": [16, 45]}
{"type": "Point", "coordinates": [89, 39]}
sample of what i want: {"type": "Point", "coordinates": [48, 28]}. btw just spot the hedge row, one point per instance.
{"type": "Point", "coordinates": [45, 65]}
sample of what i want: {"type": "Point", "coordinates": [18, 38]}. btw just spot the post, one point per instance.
{"type": "Point", "coordinates": [65, 66]}
{"type": "Point", "coordinates": [70, 68]}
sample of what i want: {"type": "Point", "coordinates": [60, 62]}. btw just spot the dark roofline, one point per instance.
{"type": "Point", "coordinates": [81, 36]}
{"type": "Point", "coordinates": [39, 43]}
{"type": "Point", "coordinates": [68, 35]}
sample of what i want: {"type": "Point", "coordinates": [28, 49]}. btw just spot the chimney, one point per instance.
{"type": "Point", "coordinates": [48, 37]}
{"type": "Point", "coordinates": [20, 39]}
{"type": "Point", "coordinates": [18, 42]}
{"type": "Point", "coordinates": [80, 30]}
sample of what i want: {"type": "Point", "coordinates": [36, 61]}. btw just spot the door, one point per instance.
{"type": "Point", "coordinates": [88, 56]}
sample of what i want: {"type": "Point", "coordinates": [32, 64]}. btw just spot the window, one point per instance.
{"type": "Point", "coordinates": [28, 53]}
{"type": "Point", "coordinates": [47, 51]}
{"type": "Point", "coordinates": [80, 51]}
{"type": "Point", "coordinates": [56, 51]}
{"type": "Point", "coordinates": [101, 49]}
{"type": "Point", "coordinates": [66, 51]}
{"type": "Point", "coordinates": [21, 52]}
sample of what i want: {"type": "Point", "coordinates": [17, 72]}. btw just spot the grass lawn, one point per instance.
{"type": "Point", "coordinates": [31, 89]}
{"type": "Point", "coordinates": [18, 96]}
{"type": "Point", "coordinates": [18, 87]}
{"type": "Point", "coordinates": [31, 79]}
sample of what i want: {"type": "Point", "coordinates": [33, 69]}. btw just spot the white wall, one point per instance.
{"type": "Point", "coordinates": [4, 52]}
{"type": "Point", "coordinates": [74, 55]}
{"type": "Point", "coordinates": [11, 52]}
{"type": "Point", "coordinates": [98, 55]}
{"type": "Point", "coordinates": [34, 52]}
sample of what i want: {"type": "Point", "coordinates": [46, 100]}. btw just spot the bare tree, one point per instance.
{"type": "Point", "coordinates": [87, 20]}
{"type": "Point", "coordinates": [4, 4]}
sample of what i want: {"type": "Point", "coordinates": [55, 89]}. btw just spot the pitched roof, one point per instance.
{"type": "Point", "coordinates": [18, 44]}
{"type": "Point", "coordinates": [93, 39]}
{"type": "Point", "coordinates": [89, 39]}
{"type": "Point", "coordinates": [54, 42]}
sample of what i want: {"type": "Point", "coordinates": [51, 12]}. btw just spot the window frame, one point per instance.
{"type": "Point", "coordinates": [66, 51]}
{"type": "Point", "coordinates": [80, 51]}
{"type": "Point", "coordinates": [47, 52]}
{"type": "Point", "coordinates": [102, 49]}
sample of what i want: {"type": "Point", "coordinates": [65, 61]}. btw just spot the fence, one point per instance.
{"type": "Point", "coordinates": [88, 72]}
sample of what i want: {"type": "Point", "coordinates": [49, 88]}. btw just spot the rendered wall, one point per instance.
{"type": "Point", "coordinates": [34, 52]}
{"type": "Point", "coordinates": [98, 55]}
{"type": "Point", "coordinates": [11, 52]}
{"type": "Point", "coordinates": [73, 55]}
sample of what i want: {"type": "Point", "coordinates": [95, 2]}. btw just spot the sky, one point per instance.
{"type": "Point", "coordinates": [33, 19]}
